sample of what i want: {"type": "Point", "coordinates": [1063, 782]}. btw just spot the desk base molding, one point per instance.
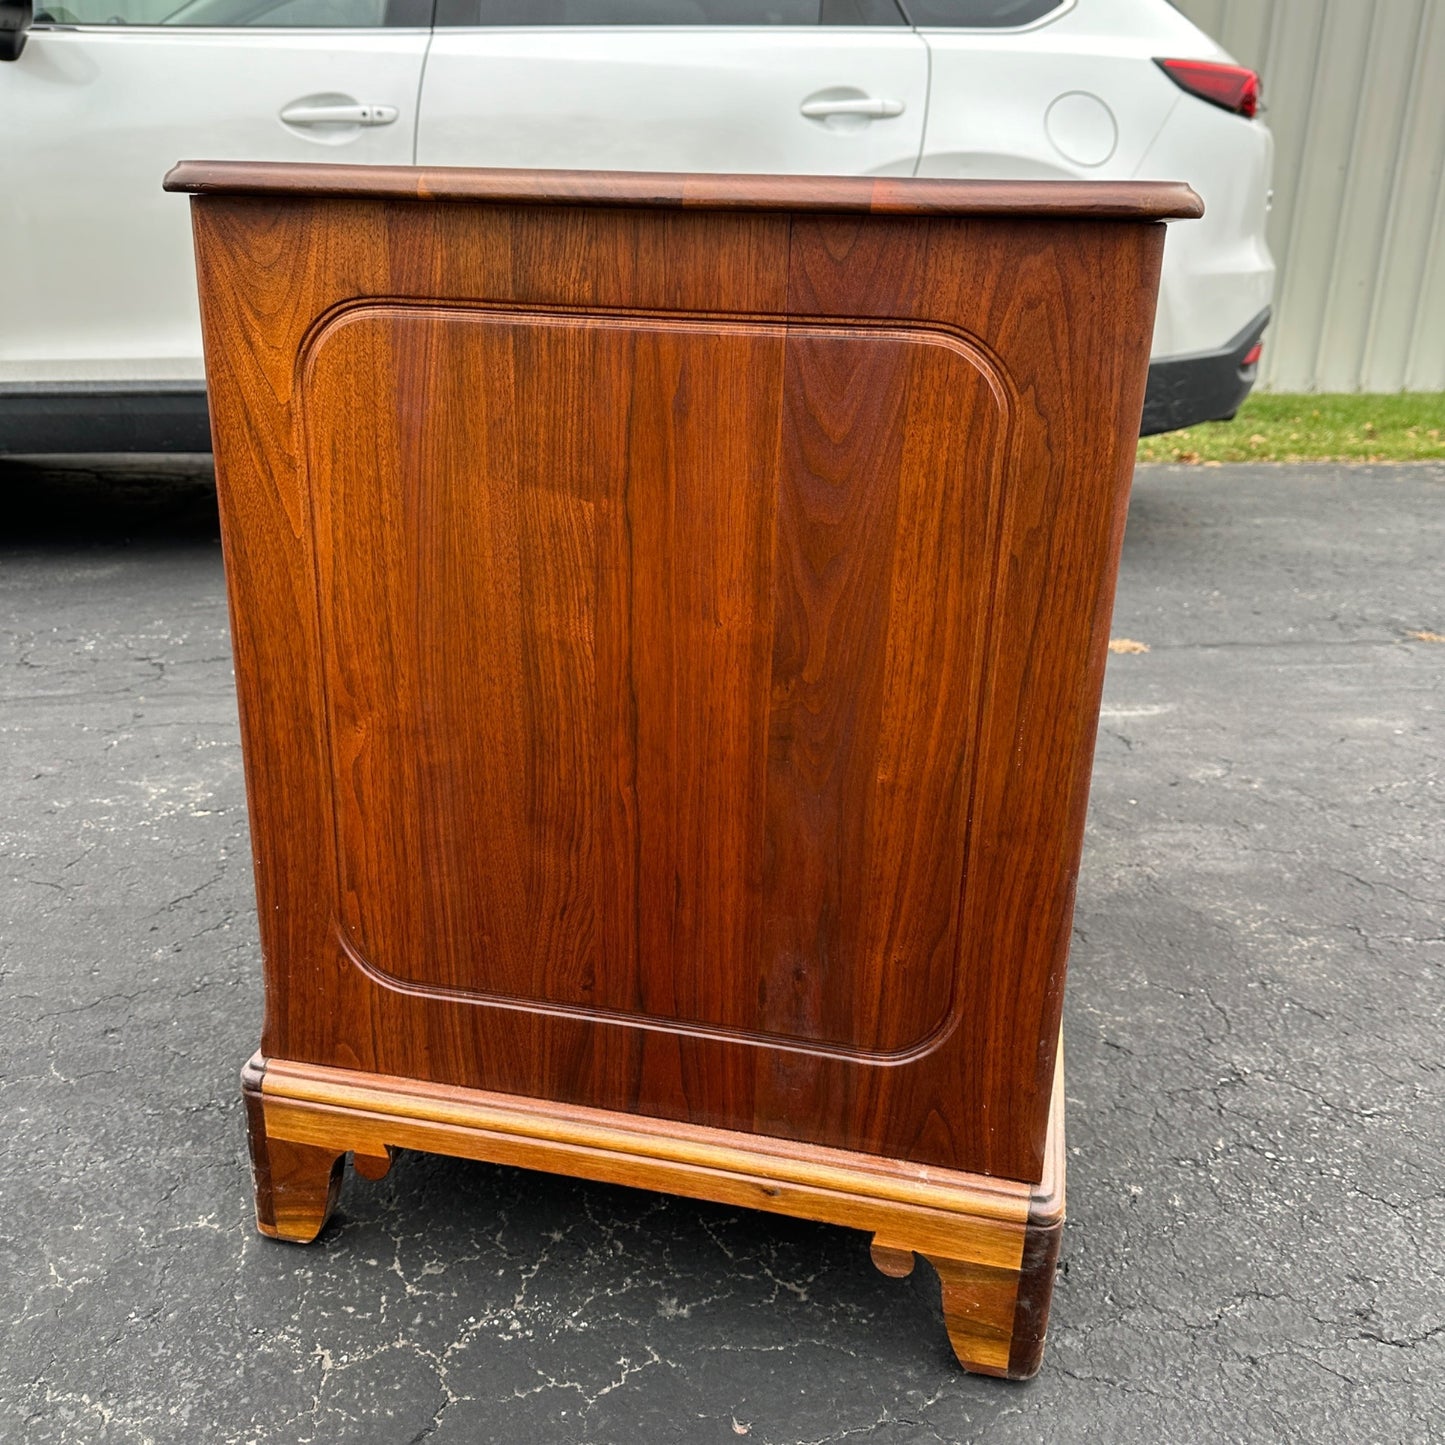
{"type": "Point", "coordinates": [993, 1242]}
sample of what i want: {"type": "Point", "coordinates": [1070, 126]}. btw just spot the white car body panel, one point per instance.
{"type": "Point", "coordinates": [683, 99]}
{"type": "Point", "coordinates": [988, 116]}
{"type": "Point", "coordinates": [95, 116]}
{"type": "Point", "coordinates": [1218, 272]}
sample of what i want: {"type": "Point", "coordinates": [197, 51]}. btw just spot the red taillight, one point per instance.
{"type": "Point", "coordinates": [1251, 357]}
{"type": "Point", "coordinates": [1230, 86]}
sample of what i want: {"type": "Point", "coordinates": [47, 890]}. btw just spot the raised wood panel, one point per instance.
{"type": "Point", "coordinates": [651, 651]}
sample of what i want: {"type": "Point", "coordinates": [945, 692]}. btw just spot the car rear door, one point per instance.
{"type": "Point", "coordinates": [802, 86]}
{"type": "Point", "coordinates": [108, 94]}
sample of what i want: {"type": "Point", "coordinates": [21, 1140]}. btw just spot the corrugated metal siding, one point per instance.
{"type": "Point", "coordinates": [1355, 91]}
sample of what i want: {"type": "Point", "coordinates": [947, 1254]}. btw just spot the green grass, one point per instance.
{"type": "Point", "coordinates": [1404, 426]}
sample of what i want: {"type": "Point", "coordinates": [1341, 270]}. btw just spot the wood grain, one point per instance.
{"type": "Point", "coordinates": [756, 705]}
{"type": "Point", "coordinates": [670, 616]}
{"type": "Point", "coordinates": [996, 1306]}
{"type": "Point", "coordinates": [878, 195]}
{"type": "Point", "coordinates": [960, 766]}
{"type": "Point", "coordinates": [297, 1184]}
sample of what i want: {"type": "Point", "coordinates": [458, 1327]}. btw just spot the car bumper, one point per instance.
{"type": "Point", "coordinates": [1208, 386]}
{"type": "Point", "coordinates": [42, 418]}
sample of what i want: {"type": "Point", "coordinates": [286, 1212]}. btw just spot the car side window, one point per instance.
{"type": "Point", "coordinates": [977, 14]}
{"type": "Point", "coordinates": [480, 13]}
{"type": "Point", "coordinates": [227, 14]}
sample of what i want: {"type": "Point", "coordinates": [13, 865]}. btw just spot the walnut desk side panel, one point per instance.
{"type": "Point", "coordinates": [669, 639]}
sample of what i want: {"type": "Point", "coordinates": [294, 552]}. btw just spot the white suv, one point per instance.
{"type": "Point", "coordinates": [100, 343]}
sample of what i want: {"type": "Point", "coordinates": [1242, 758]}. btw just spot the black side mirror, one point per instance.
{"type": "Point", "coordinates": [15, 16]}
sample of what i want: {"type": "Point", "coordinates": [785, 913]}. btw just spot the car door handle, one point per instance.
{"type": "Point", "coordinates": [306, 112]}
{"type": "Point", "coordinates": [866, 105]}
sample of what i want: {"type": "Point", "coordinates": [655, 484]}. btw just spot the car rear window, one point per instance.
{"type": "Point", "coordinates": [667, 12]}
{"type": "Point", "coordinates": [977, 14]}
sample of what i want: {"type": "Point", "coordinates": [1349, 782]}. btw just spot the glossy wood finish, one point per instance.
{"type": "Point", "coordinates": [996, 1310]}
{"type": "Point", "coordinates": [670, 615]}
{"type": "Point", "coordinates": [992, 1242]}
{"type": "Point", "coordinates": [297, 1184]}
{"type": "Point", "coordinates": [704, 767]}
{"type": "Point", "coordinates": [876, 195]}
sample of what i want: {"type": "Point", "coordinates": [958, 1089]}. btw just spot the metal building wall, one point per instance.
{"type": "Point", "coordinates": [1355, 96]}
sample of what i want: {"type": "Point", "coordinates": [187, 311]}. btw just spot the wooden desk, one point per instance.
{"type": "Point", "coordinates": [670, 616]}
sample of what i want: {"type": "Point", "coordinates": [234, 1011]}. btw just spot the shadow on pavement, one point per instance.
{"type": "Point", "coordinates": [107, 499]}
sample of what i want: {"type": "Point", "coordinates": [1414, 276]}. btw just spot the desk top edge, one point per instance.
{"type": "Point", "coordinates": [665, 190]}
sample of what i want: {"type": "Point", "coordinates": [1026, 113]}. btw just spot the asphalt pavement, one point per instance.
{"type": "Point", "coordinates": [1255, 1036]}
